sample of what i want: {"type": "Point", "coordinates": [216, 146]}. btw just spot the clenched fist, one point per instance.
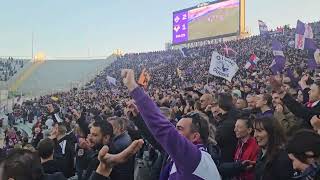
{"type": "Point", "coordinates": [128, 79]}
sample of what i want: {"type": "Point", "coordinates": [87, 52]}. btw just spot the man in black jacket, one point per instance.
{"type": "Point", "coordinates": [108, 161]}
{"type": "Point", "coordinates": [121, 141]}
{"type": "Point", "coordinates": [45, 149]}
{"type": "Point", "coordinates": [101, 134]}
{"type": "Point", "coordinates": [225, 135]}
{"type": "Point", "coordinates": [28, 167]}
{"type": "Point", "coordinates": [304, 152]}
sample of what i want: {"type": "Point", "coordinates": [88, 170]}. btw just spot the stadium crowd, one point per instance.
{"type": "Point", "coordinates": [9, 67]}
{"type": "Point", "coordinates": [185, 124]}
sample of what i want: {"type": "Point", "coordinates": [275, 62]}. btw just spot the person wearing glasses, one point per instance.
{"type": "Point", "coordinates": [186, 145]}
{"type": "Point", "coordinates": [304, 152]}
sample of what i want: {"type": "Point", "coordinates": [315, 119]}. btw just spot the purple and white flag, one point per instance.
{"type": "Point", "coordinates": [304, 36]}
{"type": "Point", "coordinates": [263, 28]}
{"type": "Point", "coordinates": [279, 60]}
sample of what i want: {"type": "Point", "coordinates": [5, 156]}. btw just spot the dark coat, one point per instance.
{"type": "Point", "coordinates": [300, 110]}
{"type": "Point", "coordinates": [280, 168]}
{"type": "Point", "coordinates": [36, 139]}
{"type": "Point", "coordinates": [55, 176]}
{"type": "Point", "coordinates": [125, 170]}
{"type": "Point", "coordinates": [51, 167]}
{"type": "Point", "coordinates": [65, 156]}
{"type": "Point", "coordinates": [146, 169]}
{"type": "Point", "coordinates": [96, 176]}
{"type": "Point", "coordinates": [225, 136]}
{"type": "Point", "coordinates": [92, 161]}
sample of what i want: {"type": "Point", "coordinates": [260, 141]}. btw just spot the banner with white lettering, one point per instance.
{"type": "Point", "coordinates": [223, 67]}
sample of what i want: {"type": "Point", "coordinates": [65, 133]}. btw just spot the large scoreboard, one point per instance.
{"type": "Point", "coordinates": [209, 20]}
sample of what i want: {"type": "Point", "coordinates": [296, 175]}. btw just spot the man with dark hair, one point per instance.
{"type": "Point", "coordinates": [46, 149]}
{"type": "Point", "coordinates": [304, 151]}
{"type": "Point", "coordinates": [225, 136]}
{"type": "Point", "coordinates": [101, 134]}
{"type": "Point", "coordinates": [247, 89]}
{"type": "Point", "coordinates": [22, 164]}
{"type": "Point", "coordinates": [121, 141]}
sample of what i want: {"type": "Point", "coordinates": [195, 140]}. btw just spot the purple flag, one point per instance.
{"type": "Point", "coordinates": [263, 28]}
{"type": "Point", "coordinates": [279, 60]}
{"type": "Point", "coordinates": [304, 36]}
{"type": "Point", "coordinates": [313, 56]}
{"type": "Point", "coordinates": [304, 40]}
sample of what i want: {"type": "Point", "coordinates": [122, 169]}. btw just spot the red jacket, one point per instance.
{"type": "Point", "coordinates": [247, 151]}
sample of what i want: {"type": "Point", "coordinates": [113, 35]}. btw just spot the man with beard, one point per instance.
{"type": "Point", "coordinates": [101, 134]}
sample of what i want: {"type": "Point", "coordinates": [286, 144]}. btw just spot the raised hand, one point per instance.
{"type": "Point", "coordinates": [305, 78]}
{"type": "Point", "coordinates": [303, 81]}
{"type": "Point", "coordinates": [128, 79]}
{"type": "Point", "coordinates": [276, 83]}
{"type": "Point", "coordinates": [132, 107]}
{"type": "Point", "coordinates": [108, 161]}
{"type": "Point", "coordinates": [279, 108]}
{"type": "Point", "coordinates": [315, 122]}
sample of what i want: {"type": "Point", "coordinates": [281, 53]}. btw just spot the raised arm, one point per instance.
{"type": "Point", "coordinates": [298, 109]}
{"type": "Point", "coordinates": [177, 146]}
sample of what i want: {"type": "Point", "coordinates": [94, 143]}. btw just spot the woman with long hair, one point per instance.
{"type": "Point", "coordinates": [273, 161]}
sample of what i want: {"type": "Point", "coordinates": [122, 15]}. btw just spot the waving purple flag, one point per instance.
{"type": "Point", "coordinates": [313, 55]}
{"type": "Point", "coordinates": [304, 40]}
{"type": "Point", "coordinates": [304, 36]}
{"type": "Point", "coordinates": [263, 29]}
{"type": "Point", "coordinates": [279, 60]}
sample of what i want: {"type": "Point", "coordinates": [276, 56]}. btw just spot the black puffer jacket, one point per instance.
{"type": "Point", "coordinates": [225, 135]}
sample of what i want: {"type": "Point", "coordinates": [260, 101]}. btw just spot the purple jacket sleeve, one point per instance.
{"type": "Point", "coordinates": [185, 154]}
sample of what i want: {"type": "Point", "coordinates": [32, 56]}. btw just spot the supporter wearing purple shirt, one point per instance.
{"type": "Point", "coordinates": [189, 161]}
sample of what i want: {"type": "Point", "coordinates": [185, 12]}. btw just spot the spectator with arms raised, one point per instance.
{"type": "Point", "coordinates": [187, 141]}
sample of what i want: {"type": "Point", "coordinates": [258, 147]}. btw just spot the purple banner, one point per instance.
{"type": "Point", "coordinates": [180, 27]}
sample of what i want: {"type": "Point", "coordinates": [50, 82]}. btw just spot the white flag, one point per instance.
{"type": "Point", "coordinates": [112, 80]}
{"type": "Point", "coordinates": [223, 67]}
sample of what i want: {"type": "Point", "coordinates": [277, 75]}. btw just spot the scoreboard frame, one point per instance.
{"type": "Point", "coordinates": [242, 23]}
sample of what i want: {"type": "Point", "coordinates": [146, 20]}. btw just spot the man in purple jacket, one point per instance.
{"type": "Point", "coordinates": [186, 145]}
